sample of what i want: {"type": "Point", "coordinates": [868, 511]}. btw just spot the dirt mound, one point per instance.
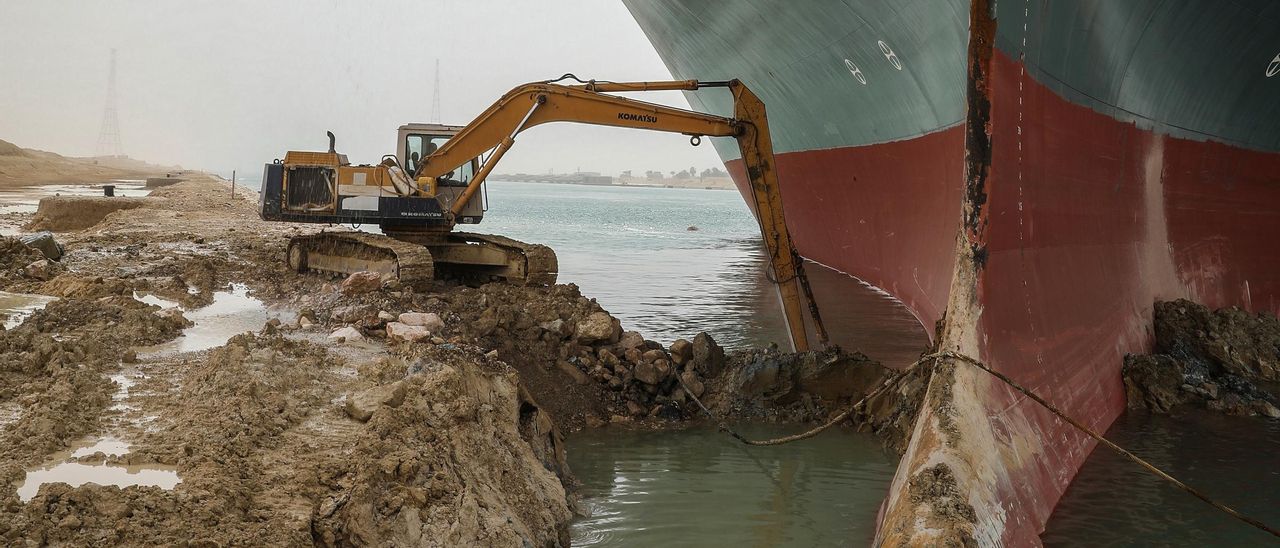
{"type": "Point", "coordinates": [63, 213]}
{"type": "Point", "coordinates": [1227, 360]}
{"type": "Point", "coordinates": [268, 454]}
{"type": "Point", "coordinates": [14, 258]}
{"type": "Point", "coordinates": [53, 365]}
{"type": "Point", "coordinates": [10, 149]}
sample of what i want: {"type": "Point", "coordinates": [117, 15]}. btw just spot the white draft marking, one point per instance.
{"type": "Point", "coordinates": [855, 71]}
{"type": "Point", "coordinates": [1274, 67]}
{"type": "Point", "coordinates": [889, 54]}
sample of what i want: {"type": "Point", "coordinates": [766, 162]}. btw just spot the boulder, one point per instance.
{"type": "Point", "coordinates": [691, 381]}
{"type": "Point", "coordinates": [633, 355]}
{"type": "Point", "coordinates": [681, 351]}
{"type": "Point", "coordinates": [1153, 382]}
{"type": "Point", "coordinates": [598, 327]}
{"type": "Point", "coordinates": [44, 242]}
{"type": "Point", "coordinates": [653, 355]}
{"type": "Point", "coordinates": [348, 333]}
{"type": "Point", "coordinates": [365, 315]}
{"type": "Point", "coordinates": [361, 282]}
{"type": "Point", "coordinates": [361, 405]}
{"type": "Point", "coordinates": [405, 332]}
{"type": "Point", "coordinates": [305, 322]}
{"type": "Point", "coordinates": [664, 369]}
{"type": "Point", "coordinates": [647, 372]}
{"type": "Point", "coordinates": [557, 326]}
{"type": "Point", "coordinates": [630, 340]}
{"type": "Point", "coordinates": [609, 359]}
{"type": "Point", "coordinates": [708, 357]}
{"type": "Point", "coordinates": [429, 320]}
{"type": "Point", "coordinates": [43, 269]}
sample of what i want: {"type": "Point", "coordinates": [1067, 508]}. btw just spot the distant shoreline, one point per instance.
{"type": "Point", "coordinates": [727, 184]}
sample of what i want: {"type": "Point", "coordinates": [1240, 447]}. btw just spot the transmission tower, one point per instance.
{"type": "Point", "coordinates": [435, 97]}
{"type": "Point", "coordinates": [109, 136]}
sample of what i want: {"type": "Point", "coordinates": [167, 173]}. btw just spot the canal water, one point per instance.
{"type": "Point", "coordinates": [1114, 502]}
{"type": "Point", "coordinates": [698, 487]}
{"type": "Point", "coordinates": [631, 248]}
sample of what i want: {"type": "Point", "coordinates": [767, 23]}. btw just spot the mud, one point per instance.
{"type": "Point", "coordinates": [1225, 360]}
{"type": "Point", "coordinates": [62, 213]}
{"type": "Point", "coordinates": [936, 487]}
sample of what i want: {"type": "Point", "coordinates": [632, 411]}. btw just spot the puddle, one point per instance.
{"type": "Point", "coordinates": [76, 474]}
{"type": "Point", "coordinates": [232, 312]}
{"type": "Point", "coordinates": [79, 473]}
{"type": "Point", "coordinates": [154, 300]}
{"type": "Point", "coordinates": [122, 393]}
{"type": "Point", "coordinates": [108, 446]}
{"type": "Point", "coordinates": [17, 307]}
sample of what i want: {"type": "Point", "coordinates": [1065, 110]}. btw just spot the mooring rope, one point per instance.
{"type": "Point", "coordinates": [788, 439]}
{"type": "Point", "coordinates": [1026, 392]}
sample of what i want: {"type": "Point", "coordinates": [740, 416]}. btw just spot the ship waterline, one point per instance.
{"type": "Point", "coordinates": [1093, 177]}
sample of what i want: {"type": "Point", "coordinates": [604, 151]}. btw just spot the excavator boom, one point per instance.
{"type": "Point", "coordinates": [590, 103]}
{"type": "Point", "coordinates": [418, 196]}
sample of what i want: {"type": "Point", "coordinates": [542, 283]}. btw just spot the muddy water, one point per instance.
{"type": "Point", "coordinates": [698, 487]}
{"type": "Point", "coordinates": [62, 469]}
{"type": "Point", "coordinates": [232, 312]}
{"type": "Point", "coordinates": [15, 308]}
{"type": "Point", "coordinates": [1113, 502]}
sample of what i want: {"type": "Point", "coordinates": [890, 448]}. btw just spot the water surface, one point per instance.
{"type": "Point", "coordinates": [231, 313]}
{"type": "Point", "coordinates": [15, 308]}
{"type": "Point", "coordinates": [1114, 502]}
{"type": "Point", "coordinates": [61, 469]}
{"type": "Point", "coordinates": [631, 249]}
{"type": "Point", "coordinates": [698, 487]}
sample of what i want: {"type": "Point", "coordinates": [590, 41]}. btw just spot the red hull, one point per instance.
{"type": "Point", "coordinates": [886, 214]}
{"type": "Point", "coordinates": [1090, 220]}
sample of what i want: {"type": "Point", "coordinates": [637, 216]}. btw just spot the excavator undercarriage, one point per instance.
{"type": "Point", "coordinates": [461, 256]}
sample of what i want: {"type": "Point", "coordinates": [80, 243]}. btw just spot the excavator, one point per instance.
{"type": "Point", "coordinates": [418, 196]}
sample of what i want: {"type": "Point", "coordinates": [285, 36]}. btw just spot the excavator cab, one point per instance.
{"type": "Point", "coordinates": [417, 141]}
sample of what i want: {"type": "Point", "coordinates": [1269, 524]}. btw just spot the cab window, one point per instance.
{"type": "Point", "coordinates": [412, 153]}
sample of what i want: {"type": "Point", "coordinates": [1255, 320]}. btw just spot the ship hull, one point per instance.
{"type": "Point", "coordinates": [1108, 154]}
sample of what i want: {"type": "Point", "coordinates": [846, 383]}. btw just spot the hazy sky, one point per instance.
{"type": "Point", "coordinates": [233, 84]}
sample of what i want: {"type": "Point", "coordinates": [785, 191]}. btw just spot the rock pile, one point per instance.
{"type": "Point", "coordinates": [568, 349]}
{"type": "Point", "coordinates": [1227, 360]}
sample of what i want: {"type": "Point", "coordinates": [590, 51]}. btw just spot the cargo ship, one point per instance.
{"type": "Point", "coordinates": [1033, 175]}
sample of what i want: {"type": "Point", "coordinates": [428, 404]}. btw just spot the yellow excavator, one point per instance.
{"type": "Point", "coordinates": [419, 195]}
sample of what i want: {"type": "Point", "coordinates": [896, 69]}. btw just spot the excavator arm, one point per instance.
{"type": "Point", "coordinates": [591, 103]}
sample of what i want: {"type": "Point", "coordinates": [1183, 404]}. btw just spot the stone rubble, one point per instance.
{"type": "Point", "coordinates": [1225, 360]}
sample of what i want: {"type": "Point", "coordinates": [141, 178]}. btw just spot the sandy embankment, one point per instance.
{"type": "Point", "coordinates": [25, 167]}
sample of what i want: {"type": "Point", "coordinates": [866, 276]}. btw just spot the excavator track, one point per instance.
{"type": "Point", "coordinates": [537, 267]}
{"type": "Point", "coordinates": [467, 257]}
{"type": "Point", "coordinates": [344, 253]}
